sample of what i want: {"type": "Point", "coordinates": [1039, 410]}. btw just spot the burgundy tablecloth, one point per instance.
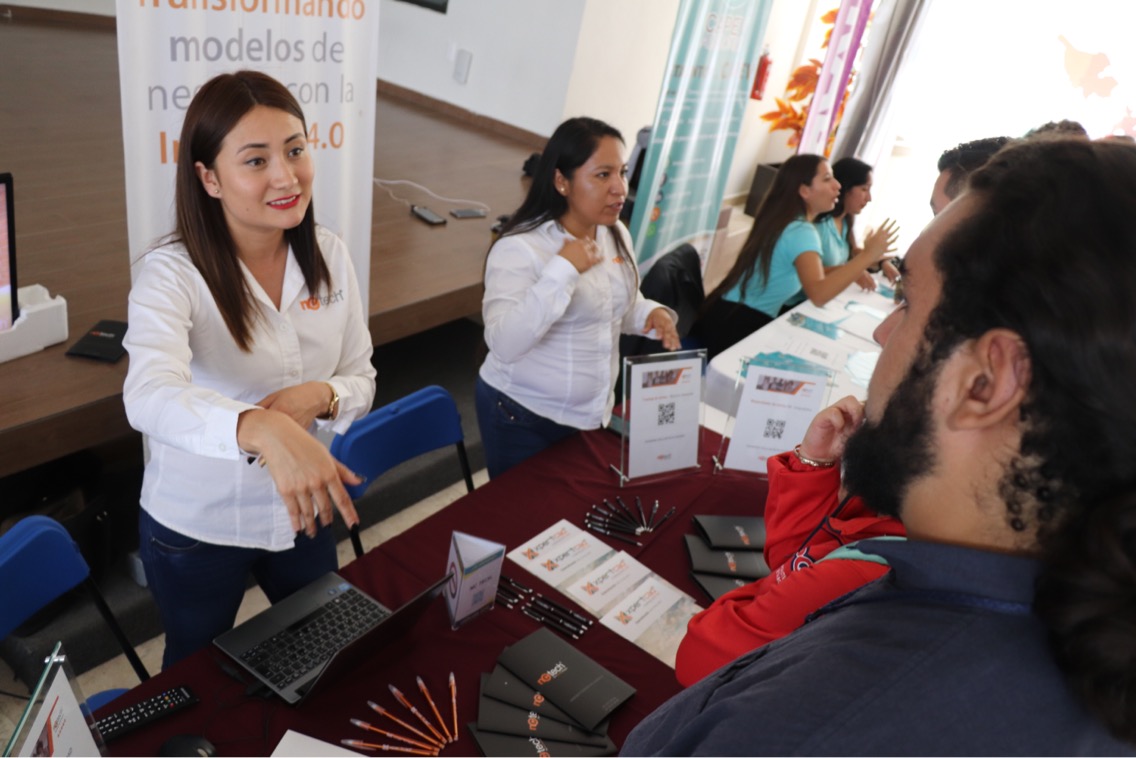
{"type": "Point", "coordinates": [561, 482]}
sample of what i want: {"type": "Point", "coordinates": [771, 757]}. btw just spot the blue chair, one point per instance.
{"type": "Point", "coordinates": [422, 421]}
{"type": "Point", "coordinates": [39, 562]}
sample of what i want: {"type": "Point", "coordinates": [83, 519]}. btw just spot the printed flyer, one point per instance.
{"type": "Point", "coordinates": [561, 553]}
{"type": "Point", "coordinates": [653, 616]}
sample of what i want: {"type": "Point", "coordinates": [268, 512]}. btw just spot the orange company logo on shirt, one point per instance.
{"type": "Point", "coordinates": [314, 303]}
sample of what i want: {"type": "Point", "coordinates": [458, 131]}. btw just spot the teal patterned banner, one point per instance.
{"type": "Point", "coordinates": [712, 62]}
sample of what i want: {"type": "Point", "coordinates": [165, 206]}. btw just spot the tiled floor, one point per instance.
{"type": "Point", "coordinates": [117, 672]}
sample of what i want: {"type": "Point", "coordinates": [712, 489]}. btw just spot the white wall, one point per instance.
{"type": "Point", "coordinates": [523, 54]}
{"type": "Point", "coordinates": [620, 58]}
{"type": "Point", "coordinates": [788, 38]}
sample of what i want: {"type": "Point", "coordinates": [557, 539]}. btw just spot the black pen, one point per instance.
{"type": "Point", "coordinates": [611, 516]}
{"type": "Point", "coordinates": [503, 590]}
{"type": "Point", "coordinates": [565, 609]}
{"type": "Point", "coordinates": [548, 622]}
{"type": "Point", "coordinates": [623, 507]}
{"type": "Point", "coordinates": [613, 535]}
{"type": "Point", "coordinates": [669, 514]}
{"type": "Point", "coordinates": [518, 585]}
{"type": "Point", "coordinates": [507, 602]}
{"type": "Point", "coordinates": [642, 515]}
{"type": "Point", "coordinates": [547, 610]}
{"type": "Point", "coordinates": [614, 525]}
{"type": "Point", "coordinates": [654, 511]}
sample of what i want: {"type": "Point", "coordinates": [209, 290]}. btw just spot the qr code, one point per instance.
{"type": "Point", "coordinates": [666, 414]}
{"type": "Point", "coordinates": [478, 598]}
{"type": "Point", "coordinates": [774, 428]}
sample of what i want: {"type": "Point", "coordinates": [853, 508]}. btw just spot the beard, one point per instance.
{"type": "Point", "coordinates": [883, 459]}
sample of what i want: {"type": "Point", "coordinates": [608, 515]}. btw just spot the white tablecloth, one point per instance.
{"type": "Point", "coordinates": [850, 354]}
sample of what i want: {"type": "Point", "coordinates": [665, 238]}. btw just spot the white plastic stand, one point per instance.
{"type": "Point", "coordinates": [42, 322]}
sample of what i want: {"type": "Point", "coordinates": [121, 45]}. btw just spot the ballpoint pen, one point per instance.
{"type": "Point", "coordinates": [426, 693]}
{"type": "Point", "coordinates": [370, 727]}
{"type": "Point", "coordinates": [454, 700]}
{"type": "Point", "coordinates": [613, 535]}
{"type": "Point", "coordinates": [384, 712]}
{"type": "Point", "coordinates": [410, 707]}
{"type": "Point", "coordinates": [386, 748]}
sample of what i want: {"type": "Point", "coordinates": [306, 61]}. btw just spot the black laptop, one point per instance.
{"type": "Point", "coordinates": [306, 640]}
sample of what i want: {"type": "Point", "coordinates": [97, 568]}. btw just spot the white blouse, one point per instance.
{"type": "Point", "coordinates": [553, 333]}
{"type": "Point", "coordinates": [188, 381]}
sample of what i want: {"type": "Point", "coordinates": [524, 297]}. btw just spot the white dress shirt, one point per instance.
{"type": "Point", "coordinates": [553, 333]}
{"type": "Point", "coordinates": [188, 381]}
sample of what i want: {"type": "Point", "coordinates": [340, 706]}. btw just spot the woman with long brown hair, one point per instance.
{"type": "Point", "coordinates": [782, 256]}
{"type": "Point", "coordinates": [246, 338]}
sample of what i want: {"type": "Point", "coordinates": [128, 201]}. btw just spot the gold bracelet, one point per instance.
{"type": "Point", "coordinates": [333, 406]}
{"type": "Point", "coordinates": [815, 463]}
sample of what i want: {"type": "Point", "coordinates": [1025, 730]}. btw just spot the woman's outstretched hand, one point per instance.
{"type": "Point", "coordinates": [309, 480]}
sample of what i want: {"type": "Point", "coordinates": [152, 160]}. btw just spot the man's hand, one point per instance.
{"type": "Point", "coordinates": [829, 431]}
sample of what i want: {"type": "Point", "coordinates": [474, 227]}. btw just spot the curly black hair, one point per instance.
{"type": "Point", "coordinates": [1050, 253]}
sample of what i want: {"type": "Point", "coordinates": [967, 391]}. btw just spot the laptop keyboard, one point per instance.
{"type": "Point", "coordinates": [310, 642]}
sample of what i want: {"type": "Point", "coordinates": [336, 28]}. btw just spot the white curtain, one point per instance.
{"type": "Point", "coordinates": [865, 128]}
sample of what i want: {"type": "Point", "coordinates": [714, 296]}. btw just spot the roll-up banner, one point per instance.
{"type": "Point", "coordinates": [324, 51]}
{"type": "Point", "coordinates": [832, 81]}
{"type": "Point", "coordinates": [710, 68]}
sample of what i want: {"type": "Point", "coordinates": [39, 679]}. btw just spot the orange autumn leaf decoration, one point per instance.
{"type": "Point", "coordinates": [800, 88]}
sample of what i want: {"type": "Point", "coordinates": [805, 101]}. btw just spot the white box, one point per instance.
{"type": "Point", "coordinates": [42, 322]}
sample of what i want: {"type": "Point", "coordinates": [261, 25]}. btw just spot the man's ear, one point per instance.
{"type": "Point", "coordinates": [991, 382]}
{"type": "Point", "coordinates": [208, 178]}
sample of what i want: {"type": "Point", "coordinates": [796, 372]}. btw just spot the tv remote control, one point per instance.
{"type": "Point", "coordinates": [150, 709]}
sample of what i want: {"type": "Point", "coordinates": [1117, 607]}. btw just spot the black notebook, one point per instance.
{"type": "Point", "coordinates": [716, 585]}
{"type": "Point", "coordinates": [496, 744]}
{"type": "Point", "coordinates": [572, 681]}
{"type": "Point", "coordinates": [103, 341]}
{"type": "Point", "coordinates": [495, 716]}
{"type": "Point", "coordinates": [731, 532]}
{"type": "Point", "coordinates": [747, 564]}
{"type": "Point", "coordinates": [504, 686]}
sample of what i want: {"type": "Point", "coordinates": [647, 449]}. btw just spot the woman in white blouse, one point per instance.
{"type": "Point", "coordinates": [246, 337]}
{"type": "Point", "coordinates": [561, 285]}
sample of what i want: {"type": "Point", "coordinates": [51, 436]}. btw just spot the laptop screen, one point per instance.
{"type": "Point", "coordinates": [9, 308]}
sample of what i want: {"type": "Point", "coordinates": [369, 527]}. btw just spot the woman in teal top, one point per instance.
{"type": "Point", "coordinates": [836, 236]}
{"type": "Point", "coordinates": [782, 256]}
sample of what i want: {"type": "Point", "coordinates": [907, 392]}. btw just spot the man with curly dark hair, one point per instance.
{"type": "Point", "coordinates": [1000, 428]}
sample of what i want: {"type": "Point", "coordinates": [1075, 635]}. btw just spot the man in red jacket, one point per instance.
{"type": "Point", "coordinates": [805, 521]}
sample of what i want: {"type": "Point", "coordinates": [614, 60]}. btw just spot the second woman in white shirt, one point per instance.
{"type": "Point", "coordinates": [561, 285]}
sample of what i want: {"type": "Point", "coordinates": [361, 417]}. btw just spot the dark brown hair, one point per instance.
{"type": "Point", "coordinates": [201, 227]}
{"type": "Point", "coordinates": [1050, 253]}
{"type": "Point", "coordinates": [569, 147]}
{"type": "Point", "coordinates": [780, 206]}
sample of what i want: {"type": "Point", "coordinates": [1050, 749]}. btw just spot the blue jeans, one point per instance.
{"type": "Point", "coordinates": [199, 586]}
{"type": "Point", "coordinates": [510, 433]}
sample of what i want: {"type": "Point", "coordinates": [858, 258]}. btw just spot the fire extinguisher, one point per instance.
{"type": "Point", "coordinates": [759, 81]}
